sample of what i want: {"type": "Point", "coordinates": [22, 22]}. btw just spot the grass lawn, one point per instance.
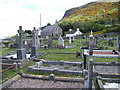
{"type": "Point", "coordinates": [96, 59]}
{"type": "Point", "coordinates": [6, 50]}
{"type": "Point", "coordinates": [51, 54]}
{"type": "Point", "coordinates": [65, 57]}
{"type": "Point", "coordinates": [72, 57]}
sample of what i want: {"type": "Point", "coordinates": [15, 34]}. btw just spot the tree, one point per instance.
{"type": "Point", "coordinates": [28, 31]}
{"type": "Point", "coordinates": [66, 25]}
{"type": "Point", "coordinates": [89, 25]}
{"type": "Point", "coordinates": [48, 24]}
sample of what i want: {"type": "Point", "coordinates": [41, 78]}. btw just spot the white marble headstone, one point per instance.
{"type": "Point", "coordinates": [60, 41]}
{"type": "Point", "coordinates": [69, 39]}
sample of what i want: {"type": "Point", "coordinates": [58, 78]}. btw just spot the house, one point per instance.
{"type": "Point", "coordinates": [72, 33]}
{"type": "Point", "coordinates": [51, 30]}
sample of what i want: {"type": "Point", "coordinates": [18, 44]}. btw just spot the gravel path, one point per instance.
{"type": "Point", "coordinates": [35, 83]}
{"type": "Point", "coordinates": [107, 69]}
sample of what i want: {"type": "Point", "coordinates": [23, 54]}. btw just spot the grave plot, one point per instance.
{"type": "Point", "coordinates": [57, 67]}
{"type": "Point", "coordinates": [108, 69]}
{"type": "Point", "coordinates": [70, 43]}
{"type": "Point", "coordinates": [104, 73]}
{"type": "Point", "coordinates": [40, 84]}
{"type": "Point", "coordinates": [13, 56]}
{"type": "Point", "coordinates": [108, 83]}
{"type": "Point", "coordinates": [107, 74]}
{"type": "Point", "coordinates": [103, 53]}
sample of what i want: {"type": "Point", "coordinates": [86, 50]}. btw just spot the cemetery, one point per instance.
{"type": "Point", "coordinates": [79, 51]}
{"type": "Point", "coordinates": [87, 62]}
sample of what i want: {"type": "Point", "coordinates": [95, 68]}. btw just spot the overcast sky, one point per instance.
{"type": "Point", "coordinates": [26, 13]}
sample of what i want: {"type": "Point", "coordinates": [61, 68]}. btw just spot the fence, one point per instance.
{"type": "Point", "coordinates": [6, 71]}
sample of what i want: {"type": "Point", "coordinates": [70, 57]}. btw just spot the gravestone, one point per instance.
{"type": "Point", "coordinates": [37, 38]}
{"type": "Point", "coordinates": [34, 43]}
{"type": "Point", "coordinates": [47, 37]}
{"type": "Point", "coordinates": [21, 54]}
{"type": "Point", "coordinates": [60, 42]}
{"type": "Point", "coordinates": [73, 38]}
{"type": "Point", "coordinates": [94, 41]}
{"type": "Point", "coordinates": [41, 43]}
{"type": "Point", "coordinates": [50, 43]}
{"type": "Point", "coordinates": [119, 41]}
{"type": "Point", "coordinates": [46, 47]}
{"type": "Point", "coordinates": [111, 43]}
{"type": "Point", "coordinates": [29, 42]}
{"type": "Point", "coordinates": [25, 45]}
{"type": "Point", "coordinates": [70, 41]}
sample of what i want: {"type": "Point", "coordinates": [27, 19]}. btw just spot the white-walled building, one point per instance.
{"type": "Point", "coordinates": [72, 33]}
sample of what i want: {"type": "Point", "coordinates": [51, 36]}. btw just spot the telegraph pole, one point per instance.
{"type": "Point", "coordinates": [40, 19]}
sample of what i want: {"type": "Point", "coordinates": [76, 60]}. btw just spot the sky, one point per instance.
{"type": "Point", "coordinates": [26, 13]}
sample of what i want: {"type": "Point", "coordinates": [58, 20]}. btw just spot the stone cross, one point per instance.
{"type": "Point", "coordinates": [91, 34]}
{"type": "Point", "coordinates": [37, 42]}
{"type": "Point", "coordinates": [21, 54]}
{"type": "Point", "coordinates": [34, 36]}
{"type": "Point", "coordinates": [20, 31]}
{"type": "Point", "coordinates": [91, 44]}
{"type": "Point", "coordinates": [34, 42]}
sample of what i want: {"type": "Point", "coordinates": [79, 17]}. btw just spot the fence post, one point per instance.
{"type": "Point", "coordinates": [15, 66]}
{"type": "Point", "coordinates": [19, 65]}
{"type": "Point", "coordinates": [90, 62]}
{"type": "Point", "coordinates": [119, 41]}
{"type": "Point", "coordinates": [84, 57]}
{"type": "Point", "coordinates": [81, 52]}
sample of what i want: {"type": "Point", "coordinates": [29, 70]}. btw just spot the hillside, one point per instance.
{"type": "Point", "coordinates": [108, 0]}
{"type": "Point", "coordinates": [101, 15]}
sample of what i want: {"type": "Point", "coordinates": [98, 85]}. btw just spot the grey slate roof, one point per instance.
{"type": "Point", "coordinates": [48, 28]}
{"type": "Point", "coordinates": [51, 30]}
